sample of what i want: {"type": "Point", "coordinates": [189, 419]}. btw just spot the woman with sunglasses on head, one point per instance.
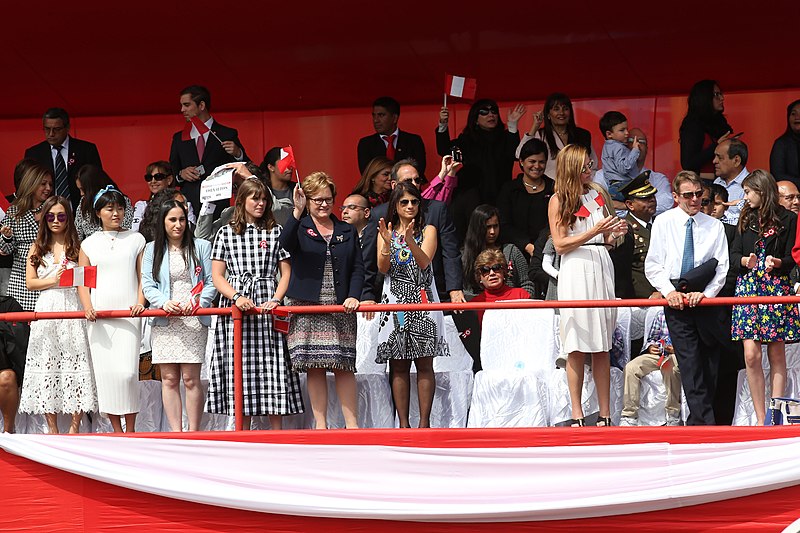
{"type": "Point", "coordinates": [484, 233]}
{"type": "Point", "coordinates": [555, 126]}
{"type": "Point", "coordinates": [158, 176]}
{"type": "Point", "coordinates": [376, 182]}
{"type": "Point", "coordinates": [58, 372]}
{"type": "Point", "coordinates": [762, 254]}
{"type": "Point", "coordinates": [246, 261]}
{"type": "Point", "coordinates": [114, 342]}
{"type": "Point", "coordinates": [703, 128]}
{"type": "Point", "coordinates": [405, 248]}
{"type": "Point", "coordinates": [490, 271]}
{"type": "Point", "coordinates": [19, 228]}
{"type": "Point", "coordinates": [487, 150]}
{"type": "Point", "coordinates": [327, 269]}
{"type": "Point", "coordinates": [583, 225]}
{"type": "Point", "coordinates": [90, 181]}
{"type": "Point", "coordinates": [173, 265]}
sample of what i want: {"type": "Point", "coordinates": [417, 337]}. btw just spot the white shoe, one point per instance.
{"type": "Point", "coordinates": [673, 420]}
{"type": "Point", "coordinates": [628, 421]}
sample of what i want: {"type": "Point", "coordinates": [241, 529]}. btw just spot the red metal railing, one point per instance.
{"type": "Point", "coordinates": [238, 315]}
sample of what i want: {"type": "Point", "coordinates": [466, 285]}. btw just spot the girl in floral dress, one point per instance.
{"type": "Point", "coordinates": [762, 251]}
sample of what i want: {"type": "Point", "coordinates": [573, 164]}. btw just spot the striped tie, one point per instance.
{"type": "Point", "coordinates": [62, 181]}
{"type": "Point", "coordinates": [688, 249]}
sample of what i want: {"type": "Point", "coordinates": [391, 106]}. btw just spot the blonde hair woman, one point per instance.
{"type": "Point", "coordinates": [583, 225]}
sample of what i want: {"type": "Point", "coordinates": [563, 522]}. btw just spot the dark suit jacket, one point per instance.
{"type": "Point", "coordinates": [777, 245]}
{"type": "Point", "coordinates": [80, 153]}
{"type": "Point", "coordinates": [308, 250]}
{"type": "Point", "coordinates": [408, 145]}
{"type": "Point", "coordinates": [183, 154]}
{"type": "Point", "coordinates": [446, 261]}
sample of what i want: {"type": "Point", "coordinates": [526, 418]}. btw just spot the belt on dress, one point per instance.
{"type": "Point", "coordinates": [593, 244]}
{"type": "Point", "coordinates": [248, 280]}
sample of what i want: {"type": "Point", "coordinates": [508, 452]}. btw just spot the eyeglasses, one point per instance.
{"type": "Point", "coordinates": [406, 201]}
{"type": "Point", "coordinates": [51, 217]}
{"type": "Point", "coordinates": [321, 201]}
{"type": "Point", "coordinates": [705, 202]}
{"type": "Point", "coordinates": [790, 197]}
{"type": "Point", "coordinates": [587, 167]}
{"type": "Point", "coordinates": [494, 268]}
{"type": "Point", "coordinates": [690, 195]}
{"type": "Point", "coordinates": [352, 207]}
{"type": "Point", "coordinates": [488, 110]}
{"type": "Point", "coordinates": [718, 94]}
{"type": "Point", "coordinates": [160, 176]}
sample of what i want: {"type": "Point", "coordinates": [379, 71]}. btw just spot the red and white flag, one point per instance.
{"type": "Point", "coordinates": [79, 277]}
{"type": "Point", "coordinates": [460, 87]}
{"type": "Point", "coordinates": [193, 129]}
{"type": "Point", "coordinates": [590, 206]}
{"type": "Point", "coordinates": [287, 159]}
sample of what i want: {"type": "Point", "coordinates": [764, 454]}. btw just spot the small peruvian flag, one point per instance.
{"type": "Point", "coordinates": [79, 277]}
{"type": "Point", "coordinates": [590, 206]}
{"type": "Point", "coordinates": [194, 129]}
{"type": "Point", "coordinates": [460, 87]}
{"type": "Point", "coordinates": [286, 160]}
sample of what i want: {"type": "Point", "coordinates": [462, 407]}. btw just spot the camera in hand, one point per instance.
{"type": "Point", "coordinates": [455, 153]}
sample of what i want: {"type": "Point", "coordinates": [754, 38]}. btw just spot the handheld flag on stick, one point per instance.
{"type": "Point", "coordinates": [286, 160]}
{"type": "Point", "coordinates": [79, 277]}
{"type": "Point", "coordinates": [459, 87]}
{"type": "Point", "coordinates": [194, 128]}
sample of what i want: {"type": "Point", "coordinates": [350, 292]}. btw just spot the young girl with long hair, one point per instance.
{"type": "Point", "coordinates": [582, 225]}
{"type": "Point", "coordinates": [58, 372]}
{"type": "Point", "coordinates": [762, 254]}
{"type": "Point", "coordinates": [246, 261]}
{"type": "Point", "coordinates": [173, 265]}
{"type": "Point", "coordinates": [405, 249]}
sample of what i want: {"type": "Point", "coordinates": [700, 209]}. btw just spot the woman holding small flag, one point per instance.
{"type": "Point", "coordinates": [114, 342]}
{"type": "Point", "coordinates": [583, 224]}
{"type": "Point", "coordinates": [21, 225]}
{"type": "Point", "coordinates": [58, 372]}
{"type": "Point", "coordinates": [176, 277]}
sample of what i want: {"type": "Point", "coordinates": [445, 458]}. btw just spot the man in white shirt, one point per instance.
{"type": "Point", "coordinates": [730, 167]}
{"type": "Point", "coordinates": [683, 239]}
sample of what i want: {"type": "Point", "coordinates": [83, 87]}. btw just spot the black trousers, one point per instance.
{"type": "Point", "coordinates": [697, 338]}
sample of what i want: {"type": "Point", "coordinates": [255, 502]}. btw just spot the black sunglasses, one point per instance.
{"type": "Point", "coordinates": [486, 110]}
{"type": "Point", "coordinates": [693, 194]}
{"type": "Point", "coordinates": [158, 177]}
{"type": "Point", "coordinates": [494, 268]}
{"type": "Point", "coordinates": [51, 217]}
{"type": "Point", "coordinates": [406, 201]}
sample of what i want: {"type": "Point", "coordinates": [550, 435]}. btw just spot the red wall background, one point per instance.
{"type": "Point", "coordinates": [326, 139]}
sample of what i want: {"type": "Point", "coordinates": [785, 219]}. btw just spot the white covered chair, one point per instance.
{"type": "Point", "coordinates": [744, 413]}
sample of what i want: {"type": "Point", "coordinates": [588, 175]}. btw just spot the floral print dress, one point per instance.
{"type": "Point", "coordinates": [764, 322]}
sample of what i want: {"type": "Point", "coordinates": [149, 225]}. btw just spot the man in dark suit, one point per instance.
{"type": "Point", "coordinates": [196, 158]}
{"type": "Point", "coordinates": [447, 259]}
{"type": "Point", "coordinates": [388, 140]}
{"type": "Point", "coordinates": [63, 154]}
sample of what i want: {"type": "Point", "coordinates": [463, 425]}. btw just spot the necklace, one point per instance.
{"type": "Point", "coordinates": [531, 187]}
{"type": "Point", "coordinates": [112, 239]}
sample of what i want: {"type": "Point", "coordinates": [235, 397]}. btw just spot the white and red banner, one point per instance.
{"type": "Point", "coordinates": [287, 159]}
{"type": "Point", "coordinates": [193, 129]}
{"type": "Point", "coordinates": [85, 276]}
{"type": "Point", "coordinates": [460, 87]}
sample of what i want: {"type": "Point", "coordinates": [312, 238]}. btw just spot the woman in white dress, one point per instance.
{"type": "Point", "coordinates": [583, 225]}
{"type": "Point", "coordinates": [58, 372]}
{"type": "Point", "coordinates": [114, 343]}
{"type": "Point", "coordinates": [173, 265]}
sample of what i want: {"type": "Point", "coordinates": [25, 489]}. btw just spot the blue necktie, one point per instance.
{"type": "Point", "coordinates": [62, 183]}
{"type": "Point", "coordinates": [688, 249]}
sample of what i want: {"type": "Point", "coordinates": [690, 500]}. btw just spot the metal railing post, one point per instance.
{"type": "Point", "coordinates": [238, 385]}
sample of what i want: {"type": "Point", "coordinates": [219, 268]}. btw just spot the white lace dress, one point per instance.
{"type": "Point", "coordinates": [58, 371]}
{"type": "Point", "coordinates": [183, 339]}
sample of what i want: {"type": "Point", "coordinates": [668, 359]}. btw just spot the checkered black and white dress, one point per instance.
{"type": "Point", "coordinates": [24, 231]}
{"type": "Point", "coordinates": [270, 385]}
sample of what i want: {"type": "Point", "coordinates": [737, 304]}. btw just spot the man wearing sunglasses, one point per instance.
{"type": "Point", "coordinates": [687, 262]}
{"type": "Point", "coordinates": [388, 140]}
{"type": "Point", "coordinates": [447, 259]}
{"type": "Point", "coordinates": [63, 154]}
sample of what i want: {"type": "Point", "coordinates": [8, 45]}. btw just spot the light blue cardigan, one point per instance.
{"type": "Point", "coordinates": [157, 292]}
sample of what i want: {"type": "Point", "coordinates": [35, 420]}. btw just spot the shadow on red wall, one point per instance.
{"type": "Point", "coordinates": [326, 139]}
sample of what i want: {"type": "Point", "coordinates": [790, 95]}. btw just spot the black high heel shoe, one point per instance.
{"type": "Point", "coordinates": [604, 421]}
{"type": "Point", "coordinates": [577, 422]}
